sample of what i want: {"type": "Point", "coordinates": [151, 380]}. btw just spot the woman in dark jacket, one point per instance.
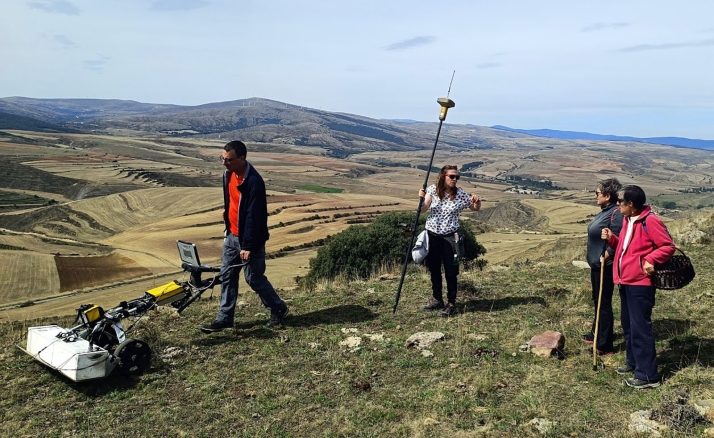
{"type": "Point", "coordinates": [643, 243]}
{"type": "Point", "coordinates": [609, 217]}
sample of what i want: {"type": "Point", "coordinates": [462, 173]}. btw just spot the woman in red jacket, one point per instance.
{"type": "Point", "coordinates": [643, 243]}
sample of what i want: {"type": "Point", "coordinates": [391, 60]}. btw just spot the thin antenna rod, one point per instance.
{"type": "Point", "coordinates": [452, 81]}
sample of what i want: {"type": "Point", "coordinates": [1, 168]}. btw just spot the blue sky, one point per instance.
{"type": "Point", "coordinates": [641, 68]}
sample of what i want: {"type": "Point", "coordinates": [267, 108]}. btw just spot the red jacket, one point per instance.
{"type": "Point", "coordinates": [651, 242]}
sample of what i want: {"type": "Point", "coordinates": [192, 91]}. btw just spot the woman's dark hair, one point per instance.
{"type": "Point", "coordinates": [441, 183]}
{"type": "Point", "coordinates": [633, 194]}
{"type": "Point", "coordinates": [610, 187]}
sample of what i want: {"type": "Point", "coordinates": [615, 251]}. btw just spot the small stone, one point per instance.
{"type": "Point", "coordinates": [430, 422]}
{"type": "Point", "coordinates": [546, 343]}
{"type": "Point", "coordinates": [640, 422]}
{"type": "Point", "coordinates": [423, 340]}
{"type": "Point", "coordinates": [349, 330]}
{"type": "Point", "coordinates": [353, 343]}
{"type": "Point", "coordinates": [581, 264]}
{"type": "Point", "coordinates": [542, 352]}
{"type": "Point", "coordinates": [427, 353]}
{"type": "Point", "coordinates": [542, 425]}
{"type": "Point", "coordinates": [703, 406]}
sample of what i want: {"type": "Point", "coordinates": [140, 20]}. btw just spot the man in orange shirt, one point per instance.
{"type": "Point", "coordinates": [245, 215]}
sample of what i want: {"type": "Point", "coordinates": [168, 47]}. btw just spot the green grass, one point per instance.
{"type": "Point", "coordinates": [686, 201]}
{"type": "Point", "coordinates": [320, 189]}
{"type": "Point", "coordinates": [14, 201]}
{"type": "Point", "coordinates": [298, 380]}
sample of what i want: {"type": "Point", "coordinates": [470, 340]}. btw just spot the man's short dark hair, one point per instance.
{"type": "Point", "coordinates": [238, 146]}
{"type": "Point", "coordinates": [633, 194]}
{"type": "Point", "coordinates": [610, 187]}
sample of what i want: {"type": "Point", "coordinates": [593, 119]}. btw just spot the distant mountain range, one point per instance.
{"type": "Point", "coordinates": [574, 135]}
{"type": "Point", "coordinates": [268, 121]}
{"type": "Point", "coordinates": [253, 120]}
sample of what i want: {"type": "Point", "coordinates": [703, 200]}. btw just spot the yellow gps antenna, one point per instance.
{"type": "Point", "coordinates": [445, 103]}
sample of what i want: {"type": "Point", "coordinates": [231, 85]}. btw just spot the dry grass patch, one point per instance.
{"type": "Point", "coordinates": [26, 275]}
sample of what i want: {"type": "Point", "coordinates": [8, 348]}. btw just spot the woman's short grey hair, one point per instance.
{"type": "Point", "coordinates": [610, 187]}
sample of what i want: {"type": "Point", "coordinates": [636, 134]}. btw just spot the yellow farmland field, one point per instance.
{"type": "Point", "coordinates": [563, 216]}
{"type": "Point", "coordinates": [26, 276]}
{"type": "Point", "coordinates": [122, 211]}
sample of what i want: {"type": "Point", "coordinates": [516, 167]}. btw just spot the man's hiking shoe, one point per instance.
{"type": "Point", "coordinates": [641, 384]}
{"type": "Point", "coordinates": [588, 338]}
{"type": "Point", "coordinates": [277, 319]}
{"type": "Point", "coordinates": [215, 326]}
{"type": "Point", "coordinates": [434, 304]}
{"type": "Point", "coordinates": [449, 310]}
{"type": "Point", "coordinates": [625, 369]}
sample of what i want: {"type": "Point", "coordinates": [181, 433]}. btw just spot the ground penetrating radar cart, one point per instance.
{"type": "Point", "coordinates": [99, 345]}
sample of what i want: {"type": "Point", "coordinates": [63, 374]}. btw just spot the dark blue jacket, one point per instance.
{"type": "Point", "coordinates": [609, 217]}
{"type": "Point", "coordinates": [252, 211]}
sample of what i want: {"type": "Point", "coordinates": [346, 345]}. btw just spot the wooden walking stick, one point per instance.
{"type": "Point", "coordinates": [599, 299]}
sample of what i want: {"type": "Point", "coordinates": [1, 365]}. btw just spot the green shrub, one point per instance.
{"type": "Point", "coordinates": [360, 250]}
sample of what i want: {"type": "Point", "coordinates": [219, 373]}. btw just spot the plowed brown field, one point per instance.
{"type": "Point", "coordinates": [81, 272]}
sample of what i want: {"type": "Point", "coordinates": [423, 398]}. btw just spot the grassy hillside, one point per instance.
{"type": "Point", "coordinates": [13, 121]}
{"type": "Point", "coordinates": [300, 381]}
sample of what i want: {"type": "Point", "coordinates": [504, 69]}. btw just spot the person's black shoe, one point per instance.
{"type": "Point", "coordinates": [277, 318]}
{"type": "Point", "coordinates": [449, 311]}
{"type": "Point", "coordinates": [625, 369]}
{"type": "Point", "coordinates": [588, 338]}
{"type": "Point", "coordinates": [215, 326]}
{"type": "Point", "coordinates": [434, 304]}
{"type": "Point", "coordinates": [641, 384]}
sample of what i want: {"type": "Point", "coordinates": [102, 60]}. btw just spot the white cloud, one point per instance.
{"type": "Point", "coordinates": [96, 65]}
{"type": "Point", "coordinates": [411, 43]}
{"type": "Point", "coordinates": [667, 46]}
{"type": "Point", "coordinates": [65, 42]}
{"type": "Point", "coordinates": [178, 5]}
{"type": "Point", "coordinates": [55, 7]}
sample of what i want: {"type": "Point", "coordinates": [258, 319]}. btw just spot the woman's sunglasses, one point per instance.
{"type": "Point", "coordinates": [456, 177]}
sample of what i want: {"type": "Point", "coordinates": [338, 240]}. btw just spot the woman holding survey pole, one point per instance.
{"type": "Point", "coordinates": [608, 217]}
{"type": "Point", "coordinates": [446, 202]}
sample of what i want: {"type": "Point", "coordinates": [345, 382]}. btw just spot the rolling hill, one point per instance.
{"type": "Point", "coordinates": [254, 120]}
